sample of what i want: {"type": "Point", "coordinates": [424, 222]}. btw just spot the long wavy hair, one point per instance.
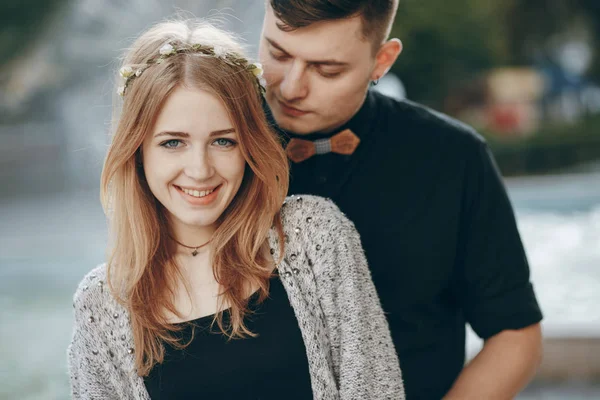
{"type": "Point", "coordinates": [142, 271]}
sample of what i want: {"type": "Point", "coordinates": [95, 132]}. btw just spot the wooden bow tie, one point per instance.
{"type": "Point", "coordinates": [344, 142]}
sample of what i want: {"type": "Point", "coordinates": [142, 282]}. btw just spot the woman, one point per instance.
{"type": "Point", "coordinates": [213, 288]}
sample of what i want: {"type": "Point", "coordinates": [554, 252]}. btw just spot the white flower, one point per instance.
{"type": "Point", "coordinates": [126, 71]}
{"type": "Point", "coordinates": [263, 82]}
{"type": "Point", "coordinates": [139, 72]}
{"type": "Point", "coordinates": [121, 91]}
{"type": "Point", "coordinates": [257, 70]}
{"type": "Point", "coordinates": [220, 52]}
{"type": "Point", "coordinates": [167, 49]}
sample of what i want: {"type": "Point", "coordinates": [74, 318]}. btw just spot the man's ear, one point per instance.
{"type": "Point", "coordinates": [385, 58]}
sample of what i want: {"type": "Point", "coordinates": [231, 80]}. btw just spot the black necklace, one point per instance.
{"type": "Point", "coordinates": [194, 248]}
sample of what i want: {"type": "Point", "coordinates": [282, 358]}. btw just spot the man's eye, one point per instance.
{"type": "Point", "coordinates": [325, 74]}
{"type": "Point", "coordinates": [279, 56]}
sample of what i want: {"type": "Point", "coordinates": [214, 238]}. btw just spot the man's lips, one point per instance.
{"type": "Point", "coordinates": [291, 110]}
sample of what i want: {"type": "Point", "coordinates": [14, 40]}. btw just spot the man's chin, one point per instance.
{"type": "Point", "coordinates": [298, 126]}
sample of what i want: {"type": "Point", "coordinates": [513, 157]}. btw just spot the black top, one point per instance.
{"type": "Point", "coordinates": [438, 231]}
{"type": "Point", "coordinates": [272, 365]}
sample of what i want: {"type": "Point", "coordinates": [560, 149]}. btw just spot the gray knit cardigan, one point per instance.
{"type": "Point", "coordinates": [324, 271]}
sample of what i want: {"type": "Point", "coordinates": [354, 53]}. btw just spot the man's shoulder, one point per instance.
{"type": "Point", "coordinates": [410, 121]}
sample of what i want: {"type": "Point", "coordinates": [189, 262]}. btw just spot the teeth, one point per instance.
{"type": "Point", "coordinates": [197, 193]}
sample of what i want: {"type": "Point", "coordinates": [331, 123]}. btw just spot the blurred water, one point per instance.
{"type": "Point", "coordinates": [47, 243]}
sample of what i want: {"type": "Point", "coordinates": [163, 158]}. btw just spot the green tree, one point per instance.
{"type": "Point", "coordinates": [21, 23]}
{"type": "Point", "coordinates": [446, 43]}
{"type": "Point", "coordinates": [531, 24]}
{"type": "Point", "coordinates": [449, 42]}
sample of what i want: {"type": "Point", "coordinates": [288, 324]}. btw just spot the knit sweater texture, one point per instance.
{"type": "Point", "coordinates": [324, 271]}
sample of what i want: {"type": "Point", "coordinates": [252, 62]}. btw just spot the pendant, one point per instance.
{"type": "Point", "coordinates": [195, 252]}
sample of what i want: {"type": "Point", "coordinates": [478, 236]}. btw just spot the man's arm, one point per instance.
{"type": "Point", "coordinates": [494, 288]}
{"type": "Point", "coordinates": [503, 368]}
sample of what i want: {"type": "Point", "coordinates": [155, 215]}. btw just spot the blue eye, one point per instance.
{"type": "Point", "coordinates": [171, 144]}
{"type": "Point", "coordinates": [224, 142]}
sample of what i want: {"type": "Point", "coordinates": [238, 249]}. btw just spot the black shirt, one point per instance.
{"type": "Point", "coordinates": [438, 231]}
{"type": "Point", "coordinates": [272, 365]}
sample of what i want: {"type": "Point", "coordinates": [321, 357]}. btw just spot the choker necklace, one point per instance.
{"type": "Point", "coordinates": [194, 248]}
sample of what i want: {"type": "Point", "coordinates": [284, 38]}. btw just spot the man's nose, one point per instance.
{"type": "Point", "coordinates": [294, 86]}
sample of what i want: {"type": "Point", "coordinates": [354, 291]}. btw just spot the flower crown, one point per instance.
{"type": "Point", "coordinates": [128, 73]}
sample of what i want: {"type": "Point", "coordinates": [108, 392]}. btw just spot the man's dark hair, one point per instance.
{"type": "Point", "coordinates": [377, 15]}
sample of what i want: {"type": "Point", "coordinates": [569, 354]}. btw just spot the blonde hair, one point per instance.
{"type": "Point", "coordinates": [141, 269]}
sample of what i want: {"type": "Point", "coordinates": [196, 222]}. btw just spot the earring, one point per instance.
{"type": "Point", "coordinates": [375, 82]}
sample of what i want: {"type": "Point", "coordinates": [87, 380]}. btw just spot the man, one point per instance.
{"type": "Point", "coordinates": [422, 189]}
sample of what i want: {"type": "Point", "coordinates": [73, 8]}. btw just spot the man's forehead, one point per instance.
{"type": "Point", "coordinates": [327, 39]}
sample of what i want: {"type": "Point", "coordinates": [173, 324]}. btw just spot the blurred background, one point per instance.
{"type": "Point", "coordinates": [525, 73]}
